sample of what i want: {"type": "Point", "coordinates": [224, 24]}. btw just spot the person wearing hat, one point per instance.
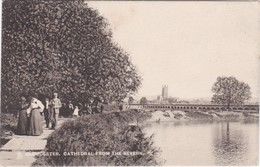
{"type": "Point", "coordinates": [47, 111]}
{"type": "Point", "coordinates": [55, 105]}
{"type": "Point", "coordinates": [34, 113]}
{"type": "Point", "coordinates": [70, 108]}
{"type": "Point", "coordinates": [23, 120]}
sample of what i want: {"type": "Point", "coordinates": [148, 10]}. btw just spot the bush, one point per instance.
{"type": "Point", "coordinates": [231, 117]}
{"type": "Point", "coordinates": [101, 133]}
{"type": "Point", "coordinates": [8, 127]}
{"type": "Point", "coordinates": [178, 116]}
{"type": "Point", "coordinates": [166, 114]}
{"type": "Point", "coordinates": [199, 115]}
{"type": "Point", "coordinates": [245, 114]}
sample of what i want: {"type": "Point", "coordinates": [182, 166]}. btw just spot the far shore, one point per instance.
{"type": "Point", "coordinates": [178, 115]}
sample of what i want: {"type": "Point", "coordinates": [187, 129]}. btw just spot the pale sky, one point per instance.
{"type": "Point", "coordinates": [187, 45]}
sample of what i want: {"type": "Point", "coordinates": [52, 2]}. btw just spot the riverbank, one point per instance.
{"type": "Point", "coordinates": [177, 115]}
{"type": "Point", "coordinates": [108, 139]}
{"type": "Point", "coordinates": [115, 138]}
{"type": "Point", "coordinates": [8, 127]}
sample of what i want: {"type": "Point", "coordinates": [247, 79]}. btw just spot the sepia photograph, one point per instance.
{"type": "Point", "coordinates": [129, 83]}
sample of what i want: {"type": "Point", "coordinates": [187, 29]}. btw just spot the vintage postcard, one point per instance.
{"type": "Point", "coordinates": [129, 83]}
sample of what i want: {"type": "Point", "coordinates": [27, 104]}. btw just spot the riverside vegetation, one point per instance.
{"type": "Point", "coordinates": [8, 127]}
{"type": "Point", "coordinates": [113, 132]}
{"type": "Point", "coordinates": [109, 132]}
{"type": "Point", "coordinates": [176, 115]}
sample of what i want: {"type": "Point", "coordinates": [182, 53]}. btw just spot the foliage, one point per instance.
{"type": "Point", "coordinates": [183, 101]}
{"type": "Point", "coordinates": [198, 115]}
{"type": "Point", "coordinates": [8, 126]}
{"type": "Point", "coordinates": [229, 91]}
{"type": "Point", "coordinates": [171, 100]}
{"type": "Point", "coordinates": [143, 100]}
{"type": "Point", "coordinates": [64, 46]}
{"type": "Point", "coordinates": [111, 107]}
{"type": "Point", "coordinates": [130, 100]}
{"type": "Point", "coordinates": [101, 132]}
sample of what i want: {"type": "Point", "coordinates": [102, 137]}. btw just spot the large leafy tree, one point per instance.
{"type": "Point", "coordinates": [229, 91]}
{"type": "Point", "coordinates": [143, 100]}
{"type": "Point", "coordinates": [130, 100]}
{"type": "Point", "coordinates": [64, 46]}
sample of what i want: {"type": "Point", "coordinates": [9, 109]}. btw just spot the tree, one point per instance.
{"type": "Point", "coordinates": [130, 100]}
{"type": "Point", "coordinates": [143, 100]}
{"type": "Point", "coordinates": [64, 46]}
{"type": "Point", "coordinates": [171, 100]}
{"type": "Point", "coordinates": [229, 91]}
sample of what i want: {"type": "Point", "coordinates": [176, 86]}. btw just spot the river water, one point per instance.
{"type": "Point", "coordinates": [204, 143]}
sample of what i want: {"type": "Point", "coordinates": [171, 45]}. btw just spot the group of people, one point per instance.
{"type": "Point", "coordinates": [31, 110]}
{"type": "Point", "coordinates": [81, 110]}
{"type": "Point", "coordinates": [30, 114]}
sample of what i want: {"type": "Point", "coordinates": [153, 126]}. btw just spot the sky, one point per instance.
{"type": "Point", "coordinates": [187, 45]}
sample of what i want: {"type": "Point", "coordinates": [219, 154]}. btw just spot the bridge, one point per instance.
{"type": "Point", "coordinates": [186, 106]}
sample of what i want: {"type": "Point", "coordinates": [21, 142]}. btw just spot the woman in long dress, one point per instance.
{"type": "Point", "coordinates": [35, 118]}
{"type": "Point", "coordinates": [76, 112]}
{"type": "Point", "coordinates": [22, 126]}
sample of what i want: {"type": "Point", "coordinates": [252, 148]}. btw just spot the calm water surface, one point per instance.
{"type": "Point", "coordinates": [222, 143]}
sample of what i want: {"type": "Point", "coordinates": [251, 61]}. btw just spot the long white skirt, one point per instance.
{"type": "Point", "coordinates": [76, 112]}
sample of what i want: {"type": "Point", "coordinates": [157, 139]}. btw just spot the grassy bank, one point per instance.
{"type": "Point", "coordinates": [89, 138]}
{"type": "Point", "coordinates": [8, 127]}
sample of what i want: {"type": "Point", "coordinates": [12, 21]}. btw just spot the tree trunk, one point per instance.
{"type": "Point", "coordinates": [228, 104]}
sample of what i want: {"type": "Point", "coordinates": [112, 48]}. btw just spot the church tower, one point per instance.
{"type": "Point", "coordinates": [165, 91]}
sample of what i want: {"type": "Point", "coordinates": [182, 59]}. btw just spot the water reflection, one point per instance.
{"type": "Point", "coordinates": [206, 143]}
{"type": "Point", "coordinates": [229, 144]}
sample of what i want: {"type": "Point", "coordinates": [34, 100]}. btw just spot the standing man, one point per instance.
{"type": "Point", "coordinates": [101, 108]}
{"type": "Point", "coordinates": [56, 105]}
{"type": "Point", "coordinates": [70, 109]}
{"type": "Point", "coordinates": [47, 111]}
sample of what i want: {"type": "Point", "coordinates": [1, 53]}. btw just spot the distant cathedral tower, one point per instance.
{"type": "Point", "coordinates": [165, 91]}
